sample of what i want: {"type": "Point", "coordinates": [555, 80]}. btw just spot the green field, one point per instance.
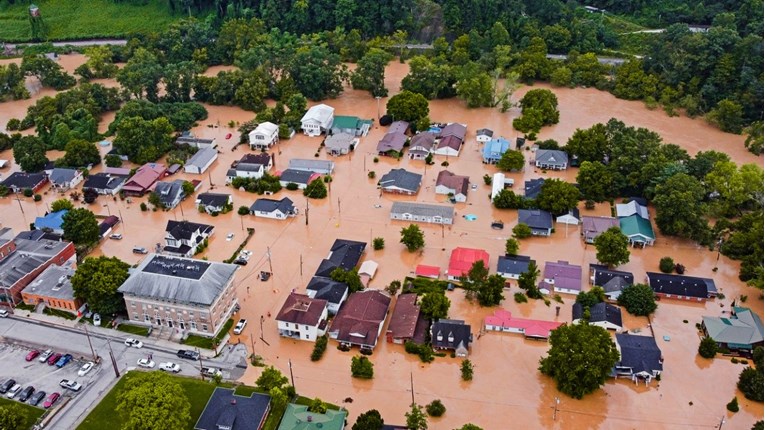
{"type": "Point", "coordinates": [86, 19]}
{"type": "Point", "coordinates": [31, 414]}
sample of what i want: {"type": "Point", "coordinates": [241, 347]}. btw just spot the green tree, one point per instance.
{"type": "Point", "coordinates": [349, 277]}
{"type": "Point", "coordinates": [466, 370]}
{"type": "Point", "coordinates": [80, 226]}
{"type": "Point", "coordinates": [475, 87]}
{"type": "Point", "coordinates": [590, 144]}
{"type": "Point", "coordinates": [100, 62]}
{"type": "Point", "coordinates": [113, 160]}
{"type": "Point", "coordinates": [475, 279]}
{"type": "Point", "coordinates": [542, 106]}
{"type": "Point", "coordinates": [638, 299]}
{"type": "Point", "coordinates": [732, 405]}
{"type": "Point", "coordinates": [613, 247]}
{"type": "Point", "coordinates": [561, 77]}
{"type": "Point", "coordinates": [751, 382]}
{"type": "Point", "coordinates": [156, 200]}
{"type": "Point", "coordinates": [490, 292]}
{"type": "Point", "coordinates": [317, 406]}
{"type": "Point", "coordinates": [412, 237]}
{"type": "Point", "coordinates": [369, 420]}
{"type": "Point", "coordinates": [667, 265]}
{"type": "Point", "coordinates": [378, 243]}
{"type": "Point", "coordinates": [362, 368]}
{"type": "Point", "coordinates": [708, 347]}
{"type": "Point", "coordinates": [754, 138]}
{"type": "Point", "coordinates": [188, 188]}
{"type": "Point", "coordinates": [96, 281]}
{"type": "Point", "coordinates": [80, 153]}
{"type": "Point", "coordinates": [759, 425]}
{"type": "Point", "coordinates": [679, 210]}
{"type": "Point", "coordinates": [591, 298]}
{"type": "Point", "coordinates": [408, 106]}
{"type": "Point", "coordinates": [557, 196]}
{"type": "Point", "coordinates": [29, 154]}
{"type": "Point", "coordinates": [141, 75]}
{"type": "Point", "coordinates": [511, 160]}
{"type": "Point", "coordinates": [580, 358]}
{"type": "Point", "coordinates": [317, 73]}
{"type": "Point", "coordinates": [11, 417]}
{"type": "Point", "coordinates": [270, 378]}
{"type": "Point", "coordinates": [153, 400]}
{"type": "Point", "coordinates": [522, 231]}
{"type": "Point", "coordinates": [469, 426]}
{"type": "Point", "coordinates": [61, 204]}
{"type": "Point", "coordinates": [511, 246]}
{"type": "Point", "coordinates": [632, 83]}
{"type": "Point", "coordinates": [315, 190]}
{"type": "Point", "coordinates": [596, 182]}
{"type": "Point", "coordinates": [415, 418]}
{"type": "Point", "coordinates": [50, 73]}
{"type": "Point", "coordinates": [507, 199]}
{"type": "Point", "coordinates": [370, 72]}
{"type": "Point", "coordinates": [143, 140]}
{"type": "Point", "coordinates": [435, 408]}
{"type": "Point", "coordinates": [728, 115]}
{"type": "Point", "coordinates": [435, 305]}
{"type": "Point", "coordinates": [429, 79]}
{"type": "Point", "coordinates": [279, 398]}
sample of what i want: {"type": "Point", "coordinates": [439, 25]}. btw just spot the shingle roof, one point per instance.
{"type": "Point", "coordinates": [551, 156]}
{"type": "Point", "coordinates": [169, 192]}
{"type": "Point", "coordinates": [422, 209]}
{"type": "Point", "coordinates": [402, 179]}
{"type": "Point", "coordinates": [681, 285]}
{"type": "Point", "coordinates": [515, 264]}
{"type": "Point", "coordinates": [424, 139]}
{"type": "Point", "coordinates": [53, 220]}
{"type": "Point", "coordinates": [320, 113]}
{"type": "Point", "coordinates": [532, 187]}
{"type": "Point", "coordinates": [452, 142]}
{"type": "Point", "coordinates": [297, 176]}
{"type": "Point", "coordinates": [213, 199]}
{"type": "Point", "coordinates": [359, 319]}
{"type": "Point", "coordinates": [599, 312]}
{"type": "Point", "coordinates": [262, 158]}
{"type": "Point", "coordinates": [459, 184]}
{"type": "Point", "coordinates": [147, 174]}
{"type": "Point", "coordinates": [406, 313]}
{"type": "Point", "coordinates": [301, 309]}
{"type": "Point", "coordinates": [61, 175]}
{"type": "Point", "coordinates": [631, 208]}
{"type": "Point", "coordinates": [457, 330]}
{"type": "Point", "coordinates": [104, 181]}
{"type": "Point", "coordinates": [297, 417]}
{"type": "Point", "coordinates": [344, 254]}
{"type": "Point", "coordinates": [327, 289]}
{"type": "Point", "coordinates": [639, 353]}
{"type": "Point", "coordinates": [635, 225]}
{"type": "Point", "coordinates": [224, 408]}
{"type": "Point", "coordinates": [742, 328]}
{"type": "Point", "coordinates": [484, 132]}
{"type": "Point", "coordinates": [611, 280]}
{"type": "Point", "coordinates": [565, 275]}
{"type": "Point", "coordinates": [319, 166]}
{"type": "Point", "coordinates": [185, 229]}
{"type": "Point", "coordinates": [398, 127]}
{"type": "Point", "coordinates": [495, 148]}
{"type": "Point", "coordinates": [284, 205]}
{"type": "Point", "coordinates": [202, 157]}
{"type": "Point", "coordinates": [392, 141]}
{"type": "Point", "coordinates": [454, 129]}
{"type": "Point", "coordinates": [462, 259]}
{"type": "Point", "coordinates": [23, 180]}
{"type": "Point", "coordinates": [339, 141]}
{"type": "Point", "coordinates": [594, 225]}
{"type": "Point", "coordinates": [535, 218]}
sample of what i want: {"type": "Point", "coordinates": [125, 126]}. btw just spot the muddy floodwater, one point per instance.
{"type": "Point", "coordinates": [507, 390]}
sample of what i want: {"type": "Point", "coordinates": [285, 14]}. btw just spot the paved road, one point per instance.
{"type": "Point", "coordinates": [74, 43]}
{"type": "Point", "coordinates": [602, 60]}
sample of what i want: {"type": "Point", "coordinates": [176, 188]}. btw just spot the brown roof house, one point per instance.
{"type": "Point", "coordinates": [407, 322]}
{"type": "Point", "coordinates": [592, 226]}
{"type": "Point", "coordinates": [302, 317]}
{"type": "Point", "coordinates": [361, 318]}
{"type": "Point", "coordinates": [456, 185]}
{"type": "Point", "coordinates": [421, 145]}
{"type": "Point", "coordinates": [144, 179]}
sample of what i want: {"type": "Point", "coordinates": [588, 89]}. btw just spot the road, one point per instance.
{"type": "Point", "coordinates": [602, 60]}
{"type": "Point", "coordinates": [36, 334]}
{"type": "Point", "coordinates": [93, 42]}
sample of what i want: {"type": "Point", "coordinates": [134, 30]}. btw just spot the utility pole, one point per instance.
{"type": "Point", "coordinates": [252, 341]}
{"type": "Point", "coordinates": [95, 358]}
{"type": "Point", "coordinates": [270, 267]}
{"type": "Point", "coordinates": [108, 210]}
{"type": "Point", "coordinates": [722, 421]}
{"type": "Point", "coordinates": [241, 218]}
{"type": "Point", "coordinates": [555, 408]}
{"type": "Point", "coordinates": [209, 176]}
{"type": "Point", "coordinates": [378, 109]}
{"type": "Point", "coordinates": [261, 331]}
{"type": "Point", "coordinates": [411, 383]}
{"type": "Point", "coordinates": [122, 219]}
{"type": "Point", "coordinates": [301, 264]}
{"type": "Point", "coordinates": [200, 365]}
{"type": "Point", "coordinates": [306, 211]}
{"type": "Point", "coordinates": [180, 205]}
{"type": "Point", "coordinates": [292, 377]}
{"type": "Point", "coordinates": [114, 362]}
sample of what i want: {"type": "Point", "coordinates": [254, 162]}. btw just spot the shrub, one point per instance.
{"type": "Point", "coordinates": [520, 298]}
{"type": "Point", "coordinates": [319, 348]}
{"type": "Point", "coordinates": [589, 204]}
{"type": "Point", "coordinates": [378, 243]}
{"type": "Point", "coordinates": [371, 174]}
{"type": "Point", "coordinates": [521, 231]}
{"type": "Point", "coordinates": [679, 269]}
{"type": "Point", "coordinates": [292, 186]}
{"type": "Point", "coordinates": [445, 164]}
{"type": "Point", "coordinates": [424, 351]}
{"type": "Point", "coordinates": [733, 405]}
{"type": "Point", "coordinates": [362, 368]}
{"type": "Point", "coordinates": [487, 179]}
{"type": "Point", "coordinates": [243, 210]}
{"type": "Point", "coordinates": [37, 197]}
{"type": "Point", "coordinates": [144, 208]}
{"type": "Point", "coordinates": [708, 347]}
{"type": "Point", "coordinates": [375, 160]}
{"type": "Point", "coordinates": [667, 265]}
{"type": "Point", "coordinates": [435, 408]}
{"type": "Point", "coordinates": [466, 368]}
{"type": "Point", "coordinates": [28, 192]}
{"type": "Point", "coordinates": [327, 179]}
{"type": "Point", "coordinates": [13, 124]}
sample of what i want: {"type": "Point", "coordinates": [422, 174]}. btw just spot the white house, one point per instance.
{"type": "Point", "coordinates": [245, 170]}
{"type": "Point", "coordinates": [264, 136]}
{"type": "Point", "coordinates": [483, 135]}
{"type": "Point", "coordinates": [317, 120]}
{"type": "Point", "coordinates": [64, 179]}
{"type": "Point", "coordinates": [302, 317]}
{"type": "Point", "coordinates": [571, 218]}
{"type": "Point", "coordinates": [274, 209]}
{"type": "Point", "coordinates": [602, 314]}
{"type": "Point", "coordinates": [201, 161]}
{"type": "Point", "coordinates": [183, 237]}
{"type": "Point", "coordinates": [499, 182]}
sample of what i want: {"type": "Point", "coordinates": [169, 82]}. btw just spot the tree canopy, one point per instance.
{"type": "Point", "coordinates": [270, 378]}
{"type": "Point", "coordinates": [412, 237]}
{"type": "Point", "coordinates": [613, 247]}
{"type": "Point", "coordinates": [638, 299]}
{"type": "Point", "coordinates": [408, 106]}
{"type": "Point", "coordinates": [80, 226]}
{"type": "Point", "coordinates": [435, 305]}
{"type": "Point", "coordinates": [153, 400]}
{"type": "Point", "coordinates": [369, 420]}
{"type": "Point", "coordinates": [557, 197]}
{"type": "Point", "coordinates": [96, 281]}
{"type": "Point", "coordinates": [511, 160]}
{"type": "Point", "coordinates": [143, 140]}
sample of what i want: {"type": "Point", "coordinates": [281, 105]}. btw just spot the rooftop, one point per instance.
{"type": "Point", "coordinates": [422, 209]}
{"type": "Point", "coordinates": [187, 229]}
{"type": "Point", "coordinates": [285, 205]}
{"type": "Point", "coordinates": [54, 281]}
{"type": "Point", "coordinates": [23, 180]}
{"type": "Point", "coordinates": [202, 157]}
{"type": "Point", "coordinates": [600, 312]}
{"type": "Point", "coordinates": [462, 260]}
{"type": "Point", "coordinates": [327, 289]}
{"type": "Point", "coordinates": [551, 156]}
{"type": "Point", "coordinates": [530, 327]}
{"type": "Point", "coordinates": [515, 264]}
{"type": "Point", "coordinates": [28, 256]}
{"type": "Point", "coordinates": [459, 184]}
{"type": "Point", "coordinates": [450, 334]}
{"type": "Point", "coordinates": [402, 179]}
{"type": "Point", "coordinates": [61, 175]}
{"type": "Point", "coordinates": [301, 309]}
{"type": "Point", "coordinates": [53, 220]}
{"type": "Point", "coordinates": [345, 254]}
{"type": "Point", "coordinates": [681, 285]}
{"type": "Point", "coordinates": [298, 176]}
{"type": "Point", "coordinates": [535, 218]}
{"type": "Point", "coordinates": [533, 187]}
{"type": "Point", "coordinates": [640, 353]}
{"type": "Point", "coordinates": [359, 319]}
{"type": "Point", "coordinates": [213, 199]}
{"type": "Point", "coordinates": [403, 321]}
{"type": "Point", "coordinates": [744, 327]}
{"type": "Point", "coordinates": [233, 412]}
{"type": "Point", "coordinates": [297, 417]}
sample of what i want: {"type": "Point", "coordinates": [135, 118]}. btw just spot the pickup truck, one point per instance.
{"type": "Point", "coordinates": [70, 384]}
{"type": "Point", "coordinates": [211, 372]}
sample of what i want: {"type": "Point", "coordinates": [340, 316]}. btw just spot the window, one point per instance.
{"type": "Point", "coordinates": [193, 325]}
{"type": "Point", "coordinates": [135, 317]}
{"type": "Point", "coordinates": [132, 304]}
{"type": "Point", "coordinates": [146, 317]}
{"type": "Point", "coordinates": [204, 327]}
{"type": "Point", "coordinates": [306, 336]}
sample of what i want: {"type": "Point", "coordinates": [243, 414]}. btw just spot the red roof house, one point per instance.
{"type": "Point", "coordinates": [427, 271]}
{"type": "Point", "coordinates": [462, 260]}
{"type": "Point", "coordinates": [360, 319]}
{"type": "Point", "coordinates": [144, 178]}
{"type": "Point", "coordinates": [504, 321]}
{"type": "Point", "coordinates": [406, 322]}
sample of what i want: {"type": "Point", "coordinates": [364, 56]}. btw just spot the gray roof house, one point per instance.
{"type": "Point", "coordinates": [640, 357]}
{"type": "Point", "coordinates": [182, 238]}
{"type": "Point", "coordinates": [612, 281]}
{"type": "Point", "coordinates": [228, 411]}
{"type": "Point", "coordinates": [483, 135]}
{"type": "Point", "coordinates": [335, 293]}
{"type": "Point", "coordinates": [400, 181]}
{"type": "Point", "coordinates": [512, 266]}
{"type": "Point", "coordinates": [300, 177]}
{"type": "Point", "coordinates": [214, 202]}
{"type": "Point", "coordinates": [422, 212]}
{"type": "Point", "coordinates": [602, 314]}
{"type": "Point", "coordinates": [322, 167]}
{"type": "Point", "coordinates": [421, 145]}
{"type": "Point", "coordinates": [632, 208]}
{"type": "Point", "coordinates": [593, 226]}
{"type": "Point", "coordinates": [532, 187]}
{"type": "Point", "coordinates": [201, 161]}
{"type": "Point", "coordinates": [540, 221]}
{"type": "Point", "coordinates": [105, 183]}
{"type": "Point", "coordinates": [170, 193]}
{"type": "Point", "coordinates": [54, 287]}
{"type": "Point", "coordinates": [452, 335]}
{"type": "Point", "coordinates": [551, 159]}
{"type": "Point", "coordinates": [340, 143]}
{"type": "Point", "coordinates": [274, 209]}
{"type": "Point", "coordinates": [742, 331]}
{"type": "Point", "coordinates": [64, 179]}
{"type": "Point", "coordinates": [392, 141]}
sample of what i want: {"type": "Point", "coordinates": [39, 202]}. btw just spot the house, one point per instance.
{"type": "Point", "coordinates": [299, 177]}
{"type": "Point", "coordinates": [317, 120]}
{"type": "Point", "coordinates": [193, 296]}
{"type": "Point", "coordinates": [118, 153]}
{"type": "Point", "coordinates": [640, 357]}
{"type": "Point", "coordinates": [400, 181]}
{"type": "Point", "coordinates": [190, 140]}
{"type": "Point", "coordinates": [624, 210]}
{"type": "Point", "coordinates": [602, 314]}
{"type": "Point", "coordinates": [107, 225]}
{"type": "Point", "coordinates": [451, 335]}
{"type": "Point", "coordinates": [143, 179]}
{"type": "Point", "coordinates": [345, 254]}
{"type": "Point", "coordinates": [499, 182]}
{"type": "Point", "coordinates": [201, 161]}
{"type": "Point", "coordinates": [302, 317]}
{"type": "Point", "coordinates": [182, 238]}
{"type": "Point", "coordinates": [453, 129]}
{"type": "Point", "coordinates": [538, 220]}
{"type": "Point", "coordinates": [173, 169]}
{"type": "Point", "coordinates": [391, 143]}
{"type": "Point", "coordinates": [116, 171]}
{"type": "Point", "coordinates": [226, 410]}
{"type": "Point", "coordinates": [562, 277]}
{"type": "Point", "coordinates": [265, 135]}
{"type": "Point", "coordinates": [421, 145]}
{"type": "Point", "coordinates": [360, 320]}
{"type": "Point", "coordinates": [322, 167]}
{"type": "Point", "coordinates": [483, 135]}
{"type": "Point", "coordinates": [681, 287]}
{"type": "Point", "coordinates": [593, 226]}
{"type": "Point", "coordinates": [612, 281]}
{"type": "Point", "coordinates": [533, 187]}
{"type": "Point", "coordinates": [274, 209]}
{"type": "Point", "coordinates": [399, 127]}
{"type": "Point", "coordinates": [215, 202]}
{"type": "Point", "coordinates": [24, 257]}
{"type": "Point", "coordinates": [503, 321]}
{"type": "Point", "coordinates": [250, 166]}
{"type": "Point", "coordinates": [424, 271]}
{"type": "Point", "coordinates": [513, 266]}
{"type": "Point", "coordinates": [17, 182]}
{"type": "Point", "coordinates": [570, 218]}
{"type": "Point", "coordinates": [406, 322]}
{"type": "Point", "coordinates": [494, 149]}
{"type": "Point", "coordinates": [340, 143]}
{"type": "Point", "coordinates": [449, 146]}
{"type": "Point", "coordinates": [742, 331]}
{"type": "Point", "coordinates": [367, 271]}
{"type": "Point", "coordinates": [422, 212]}
{"type": "Point", "coordinates": [551, 159]}
{"type": "Point", "coordinates": [454, 185]}
{"type": "Point", "coordinates": [170, 193]}
{"type": "Point", "coordinates": [333, 292]}
{"type": "Point", "coordinates": [638, 230]}
{"type": "Point", "coordinates": [53, 288]}
{"type": "Point", "coordinates": [297, 417]}
{"type": "Point", "coordinates": [263, 158]}
{"type": "Point", "coordinates": [62, 179]}
{"type": "Point", "coordinates": [352, 125]}
{"type": "Point", "coordinates": [105, 183]}
{"type": "Point", "coordinates": [462, 259]}
{"type": "Point", "coordinates": [52, 222]}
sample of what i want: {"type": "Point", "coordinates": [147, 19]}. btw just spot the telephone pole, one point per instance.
{"type": "Point", "coordinates": [555, 408]}
{"type": "Point", "coordinates": [411, 383]}
{"type": "Point", "coordinates": [114, 362]}
{"type": "Point", "coordinates": [292, 377]}
{"type": "Point", "coordinates": [306, 211]}
{"type": "Point", "coordinates": [722, 421]}
{"type": "Point", "coordinates": [95, 358]}
{"type": "Point", "coordinates": [301, 264]}
{"type": "Point", "coordinates": [270, 267]}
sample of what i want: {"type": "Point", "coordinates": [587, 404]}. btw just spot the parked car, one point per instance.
{"type": "Point", "coordinates": [36, 398]}
{"type": "Point", "coordinates": [145, 362]}
{"type": "Point", "coordinates": [26, 393]}
{"type": "Point", "coordinates": [116, 236]}
{"type": "Point", "coordinates": [32, 354]}
{"type": "Point", "coordinates": [53, 359]}
{"type": "Point", "coordinates": [170, 367]}
{"type": "Point", "coordinates": [70, 384]}
{"type": "Point", "coordinates": [5, 386]}
{"type": "Point", "coordinates": [4, 313]}
{"type": "Point", "coordinates": [188, 354]}
{"type": "Point", "coordinates": [135, 343]}
{"type": "Point", "coordinates": [45, 355]}
{"type": "Point", "coordinates": [211, 372]}
{"type": "Point", "coordinates": [228, 135]}
{"type": "Point", "coordinates": [85, 368]}
{"type": "Point", "coordinates": [229, 236]}
{"type": "Point", "coordinates": [96, 320]}
{"type": "Point", "coordinates": [139, 250]}
{"type": "Point", "coordinates": [13, 391]}
{"type": "Point", "coordinates": [51, 400]}
{"type": "Point", "coordinates": [64, 360]}
{"type": "Point", "coordinates": [240, 326]}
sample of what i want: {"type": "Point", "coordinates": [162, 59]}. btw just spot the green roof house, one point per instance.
{"type": "Point", "coordinates": [352, 125]}
{"type": "Point", "coordinates": [297, 417]}
{"type": "Point", "coordinates": [638, 230]}
{"type": "Point", "coordinates": [742, 331]}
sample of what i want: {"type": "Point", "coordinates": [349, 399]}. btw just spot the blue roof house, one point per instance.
{"type": "Point", "coordinates": [493, 150]}
{"type": "Point", "coordinates": [52, 222]}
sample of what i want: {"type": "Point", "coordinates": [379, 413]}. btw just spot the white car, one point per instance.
{"type": "Point", "coordinates": [170, 367]}
{"type": "Point", "coordinates": [85, 368]}
{"type": "Point", "coordinates": [240, 326]}
{"type": "Point", "coordinates": [45, 356]}
{"type": "Point", "coordinates": [211, 372]}
{"type": "Point", "coordinates": [145, 362]}
{"type": "Point", "coordinates": [96, 320]}
{"type": "Point", "coordinates": [135, 343]}
{"type": "Point", "coordinates": [70, 384]}
{"type": "Point", "coordinates": [3, 313]}
{"type": "Point", "coordinates": [13, 391]}
{"type": "Point", "coordinates": [229, 237]}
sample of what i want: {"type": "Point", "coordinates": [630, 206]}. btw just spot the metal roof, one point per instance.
{"type": "Point", "coordinates": [422, 209]}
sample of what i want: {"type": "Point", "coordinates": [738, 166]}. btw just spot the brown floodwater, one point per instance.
{"type": "Point", "coordinates": [507, 390]}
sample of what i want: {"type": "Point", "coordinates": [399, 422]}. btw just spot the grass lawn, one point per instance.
{"type": "Point", "coordinates": [31, 414]}
{"type": "Point", "coordinates": [133, 329]}
{"type": "Point", "coordinates": [59, 313]}
{"type": "Point", "coordinates": [206, 342]}
{"type": "Point", "coordinates": [72, 19]}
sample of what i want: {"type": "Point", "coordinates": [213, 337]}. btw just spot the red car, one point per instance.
{"type": "Point", "coordinates": [51, 400]}
{"type": "Point", "coordinates": [228, 136]}
{"type": "Point", "coordinates": [32, 354]}
{"type": "Point", "coordinates": [53, 359]}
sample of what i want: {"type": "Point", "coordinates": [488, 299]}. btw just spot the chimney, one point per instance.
{"type": "Point", "coordinates": [233, 401]}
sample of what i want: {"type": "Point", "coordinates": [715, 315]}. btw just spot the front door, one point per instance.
{"type": "Point", "coordinates": [182, 325]}
{"type": "Point", "coordinates": [170, 323]}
